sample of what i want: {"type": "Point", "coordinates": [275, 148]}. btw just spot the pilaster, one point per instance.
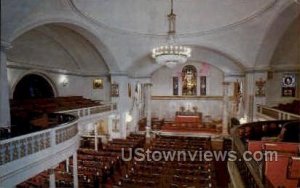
{"type": "Point", "coordinates": [4, 88]}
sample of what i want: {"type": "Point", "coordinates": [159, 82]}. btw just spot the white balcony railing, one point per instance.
{"type": "Point", "coordinates": [272, 113]}
{"type": "Point", "coordinates": [24, 156]}
{"type": "Point", "coordinates": [18, 153]}
{"type": "Point", "coordinates": [82, 112]}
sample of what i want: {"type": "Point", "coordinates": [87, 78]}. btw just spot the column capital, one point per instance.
{"type": "Point", "coordinates": [5, 45]}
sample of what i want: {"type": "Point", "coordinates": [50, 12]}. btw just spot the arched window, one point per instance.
{"type": "Point", "coordinates": [33, 86]}
{"type": "Point", "coordinates": [189, 80]}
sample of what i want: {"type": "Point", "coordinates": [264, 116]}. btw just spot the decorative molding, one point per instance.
{"type": "Point", "coordinates": [231, 26]}
{"type": "Point", "coordinates": [119, 73]}
{"type": "Point", "coordinates": [27, 66]}
{"type": "Point", "coordinates": [188, 98]}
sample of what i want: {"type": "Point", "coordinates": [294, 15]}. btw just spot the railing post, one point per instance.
{"type": "Point", "coordinates": [51, 178]}
{"type": "Point", "coordinates": [96, 136]}
{"type": "Point", "coordinates": [68, 164]}
{"type": "Point", "coordinates": [75, 171]}
{"type": "Point", "coordinates": [87, 111]}
{"type": "Point", "coordinates": [78, 112]}
{"type": "Point", "coordinates": [52, 138]}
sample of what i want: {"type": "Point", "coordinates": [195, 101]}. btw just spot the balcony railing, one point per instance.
{"type": "Point", "coordinates": [29, 144]}
{"type": "Point", "coordinates": [82, 112]}
{"type": "Point", "coordinates": [275, 113]}
{"type": "Point", "coordinates": [43, 149]}
{"type": "Point", "coordinates": [251, 171]}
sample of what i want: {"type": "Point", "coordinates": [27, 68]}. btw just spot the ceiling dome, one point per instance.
{"type": "Point", "coordinates": [150, 16]}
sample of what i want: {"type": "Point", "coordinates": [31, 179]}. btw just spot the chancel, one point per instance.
{"type": "Point", "coordinates": [147, 93]}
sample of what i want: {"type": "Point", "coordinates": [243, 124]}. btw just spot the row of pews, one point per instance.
{"type": "Point", "coordinates": [105, 168]}
{"type": "Point", "coordinates": [36, 114]}
{"type": "Point", "coordinates": [271, 131]}
{"type": "Point", "coordinates": [180, 172]}
{"type": "Point", "coordinates": [190, 127]}
{"type": "Point", "coordinates": [174, 126]}
{"type": "Point", "coordinates": [94, 168]}
{"type": "Point", "coordinates": [293, 107]}
{"type": "Point", "coordinates": [48, 105]}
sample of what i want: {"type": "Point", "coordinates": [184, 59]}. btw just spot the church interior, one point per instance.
{"type": "Point", "coordinates": [150, 93]}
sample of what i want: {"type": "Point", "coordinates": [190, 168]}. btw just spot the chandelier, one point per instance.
{"type": "Point", "coordinates": [171, 54]}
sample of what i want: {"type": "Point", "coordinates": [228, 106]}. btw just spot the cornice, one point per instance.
{"type": "Point", "coordinates": [274, 68]}
{"type": "Point", "coordinates": [188, 98]}
{"type": "Point", "coordinates": [26, 66]}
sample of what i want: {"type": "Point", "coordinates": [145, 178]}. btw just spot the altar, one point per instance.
{"type": "Point", "coordinates": [188, 117]}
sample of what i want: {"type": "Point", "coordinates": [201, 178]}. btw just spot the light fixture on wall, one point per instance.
{"type": "Point", "coordinates": [171, 54]}
{"type": "Point", "coordinates": [63, 80]}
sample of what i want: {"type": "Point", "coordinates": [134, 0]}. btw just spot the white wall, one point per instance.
{"type": "Point", "coordinates": [162, 80]}
{"type": "Point", "coordinates": [273, 89]}
{"type": "Point", "coordinates": [167, 108]}
{"type": "Point", "coordinates": [77, 85]}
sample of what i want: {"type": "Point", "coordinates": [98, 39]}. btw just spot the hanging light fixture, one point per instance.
{"type": "Point", "coordinates": [171, 54]}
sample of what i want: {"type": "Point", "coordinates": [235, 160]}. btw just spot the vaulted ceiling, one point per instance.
{"type": "Point", "coordinates": [233, 35]}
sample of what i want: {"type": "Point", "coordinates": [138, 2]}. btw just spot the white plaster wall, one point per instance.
{"type": "Point", "coordinates": [273, 89]}
{"type": "Point", "coordinates": [56, 47]}
{"type": "Point", "coordinates": [77, 85]}
{"type": "Point", "coordinates": [162, 80]}
{"type": "Point", "coordinates": [286, 59]}
{"type": "Point", "coordinates": [167, 108]}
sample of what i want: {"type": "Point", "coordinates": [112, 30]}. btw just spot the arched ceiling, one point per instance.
{"type": "Point", "coordinates": [150, 16]}
{"type": "Point", "coordinates": [237, 35]}
{"type": "Point", "coordinates": [230, 66]}
{"type": "Point", "coordinates": [59, 48]}
{"type": "Point", "coordinates": [287, 52]}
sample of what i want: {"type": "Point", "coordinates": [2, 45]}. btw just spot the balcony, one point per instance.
{"type": "Point", "coordinates": [24, 156]}
{"type": "Point", "coordinates": [256, 173]}
{"type": "Point", "coordinates": [269, 113]}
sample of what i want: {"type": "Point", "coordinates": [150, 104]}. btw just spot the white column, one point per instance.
{"type": "Point", "coordinates": [225, 108]}
{"type": "Point", "coordinates": [75, 171]}
{"type": "Point", "coordinates": [148, 108]}
{"type": "Point", "coordinates": [52, 178]}
{"type": "Point", "coordinates": [250, 91]}
{"type": "Point", "coordinates": [4, 88]}
{"type": "Point", "coordinates": [68, 164]}
{"type": "Point", "coordinates": [123, 101]}
{"type": "Point", "coordinates": [96, 136]}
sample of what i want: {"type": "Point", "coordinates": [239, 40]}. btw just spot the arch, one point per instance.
{"type": "Point", "coordinates": [189, 80]}
{"type": "Point", "coordinates": [36, 72]}
{"type": "Point", "coordinates": [85, 30]}
{"type": "Point", "coordinates": [34, 85]}
{"type": "Point", "coordinates": [274, 33]}
{"type": "Point", "coordinates": [229, 65]}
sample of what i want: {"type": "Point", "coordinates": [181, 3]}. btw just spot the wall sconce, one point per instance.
{"type": "Point", "coordinates": [63, 80]}
{"type": "Point", "coordinates": [128, 118]}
